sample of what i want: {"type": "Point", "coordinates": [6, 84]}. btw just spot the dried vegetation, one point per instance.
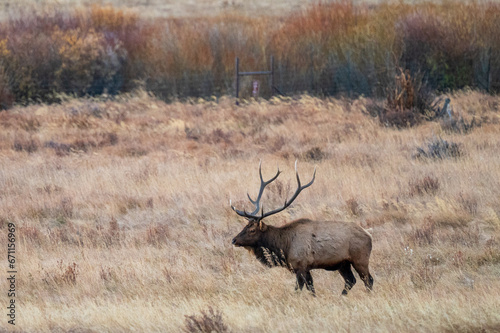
{"type": "Point", "coordinates": [329, 48]}
{"type": "Point", "coordinates": [124, 222]}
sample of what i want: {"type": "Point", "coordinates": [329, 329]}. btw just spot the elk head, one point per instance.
{"type": "Point", "coordinates": [252, 233]}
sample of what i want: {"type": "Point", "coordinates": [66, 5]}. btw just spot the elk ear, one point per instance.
{"type": "Point", "coordinates": [262, 226]}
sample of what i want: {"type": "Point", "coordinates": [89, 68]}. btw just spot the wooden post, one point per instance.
{"type": "Point", "coordinates": [237, 80]}
{"type": "Point", "coordinates": [272, 76]}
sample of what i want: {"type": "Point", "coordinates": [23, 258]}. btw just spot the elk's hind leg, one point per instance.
{"type": "Point", "coordinates": [350, 280]}
{"type": "Point", "coordinates": [364, 274]}
{"type": "Point", "coordinates": [300, 281]}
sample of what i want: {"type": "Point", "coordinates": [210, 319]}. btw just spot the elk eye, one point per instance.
{"type": "Point", "coordinates": [252, 231]}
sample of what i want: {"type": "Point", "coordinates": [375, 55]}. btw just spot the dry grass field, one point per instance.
{"type": "Point", "coordinates": [123, 218]}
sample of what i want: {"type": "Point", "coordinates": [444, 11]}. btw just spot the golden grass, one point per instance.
{"type": "Point", "coordinates": [122, 210]}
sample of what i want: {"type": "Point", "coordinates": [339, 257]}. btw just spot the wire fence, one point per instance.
{"type": "Point", "coordinates": [346, 79]}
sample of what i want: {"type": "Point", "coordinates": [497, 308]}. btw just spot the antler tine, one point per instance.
{"type": "Point", "coordinates": [298, 179]}
{"type": "Point", "coordinates": [295, 195]}
{"type": "Point", "coordinates": [256, 202]}
{"type": "Point", "coordinates": [239, 212]}
{"type": "Point", "coordinates": [297, 173]}
{"type": "Point", "coordinates": [261, 181]}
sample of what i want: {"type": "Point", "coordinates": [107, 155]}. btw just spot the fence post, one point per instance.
{"type": "Point", "coordinates": [237, 80]}
{"type": "Point", "coordinates": [272, 76]}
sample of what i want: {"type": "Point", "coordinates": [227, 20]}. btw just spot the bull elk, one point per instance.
{"type": "Point", "coordinates": [303, 244]}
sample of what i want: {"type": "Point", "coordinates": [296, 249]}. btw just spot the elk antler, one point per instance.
{"type": "Point", "coordinates": [256, 202]}
{"type": "Point", "coordinates": [263, 184]}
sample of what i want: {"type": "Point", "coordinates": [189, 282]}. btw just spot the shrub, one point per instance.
{"type": "Point", "coordinates": [90, 62]}
{"type": "Point", "coordinates": [439, 149]}
{"type": "Point", "coordinates": [31, 234]}
{"type": "Point", "coordinates": [425, 234]}
{"type": "Point", "coordinates": [27, 143]}
{"type": "Point", "coordinates": [353, 207]}
{"type": "Point", "coordinates": [427, 185]}
{"type": "Point", "coordinates": [157, 234]}
{"type": "Point", "coordinates": [327, 49]}
{"type": "Point", "coordinates": [315, 154]}
{"type": "Point", "coordinates": [6, 96]}
{"type": "Point", "coordinates": [65, 274]}
{"type": "Point", "coordinates": [468, 203]}
{"type": "Point", "coordinates": [209, 321]}
{"type": "Point", "coordinates": [408, 101]}
{"type": "Point", "coordinates": [111, 235]}
{"type": "Point", "coordinates": [459, 125]}
{"type": "Point", "coordinates": [425, 274]}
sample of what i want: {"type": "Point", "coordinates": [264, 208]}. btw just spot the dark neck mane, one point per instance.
{"type": "Point", "coordinates": [272, 249]}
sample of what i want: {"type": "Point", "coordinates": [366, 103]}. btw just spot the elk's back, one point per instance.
{"type": "Point", "coordinates": [324, 244]}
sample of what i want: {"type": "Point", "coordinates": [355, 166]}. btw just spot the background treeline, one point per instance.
{"type": "Point", "coordinates": [326, 50]}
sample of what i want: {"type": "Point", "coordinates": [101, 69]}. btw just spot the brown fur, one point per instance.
{"type": "Point", "coordinates": [303, 245]}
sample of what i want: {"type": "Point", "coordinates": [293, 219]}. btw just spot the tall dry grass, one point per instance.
{"type": "Point", "coordinates": [123, 218]}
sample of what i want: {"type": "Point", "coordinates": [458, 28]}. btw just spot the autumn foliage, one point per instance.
{"type": "Point", "coordinates": [327, 49]}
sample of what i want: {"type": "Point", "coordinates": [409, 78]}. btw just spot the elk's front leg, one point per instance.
{"type": "Point", "coordinates": [304, 277]}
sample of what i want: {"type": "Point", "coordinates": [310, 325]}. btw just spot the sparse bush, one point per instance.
{"type": "Point", "coordinates": [425, 234]}
{"type": "Point", "coordinates": [468, 203]}
{"type": "Point", "coordinates": [490, 254]}
{"type": "Point", "coordinates": [85, 144]}
{"type": "Point", "coordinates": [107, 274]}
{"type": "Point", "coordinates": [459, 125]}
{"type": "Point", "coordinates": [65, 208]}
{"type": "Point", "coordinates": [427, 185]}
{"type": "Point", "coordinates": [353, 207]}
{"type": "Point", "coordinates": [64, 275]}
{"type": "Point", "coordinates": [112, 234]}
{"type": "Point", "coordinates": [401, 119]}
{"type": "Point", "coordinates": [408, 102]}
{"type": "Point", "coordinates": [218, 136]}
{"type": "Point", "coordinates": [439, 149]}
{"type": "Point", "coordinates": [425, 274]}
{"type": "Point", "coordinates": [26, 122]}
{"type": "Point", "coordinates": [392, 211]}
{"type": "Point", "coordinates": [468, 236]}
{"type": "Point", "coordinates": [135, 150]}
{"type": "Point", "coordinates": [405, 93]}
{"type": "Point", "coordinates": [29, 144]}
{"type": "Point", "coordinates": [157, 234]}
{"type": "Point", "coordinates": [61, 149]}
{"type": "Point", "coordinates": [31, 234]}
{"type": "Point", "coordinates": [69, 274]}
{"type": "Point", "coordinates": [315, 154]}
{"type": "Point", "coordinates": [210, 321]}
